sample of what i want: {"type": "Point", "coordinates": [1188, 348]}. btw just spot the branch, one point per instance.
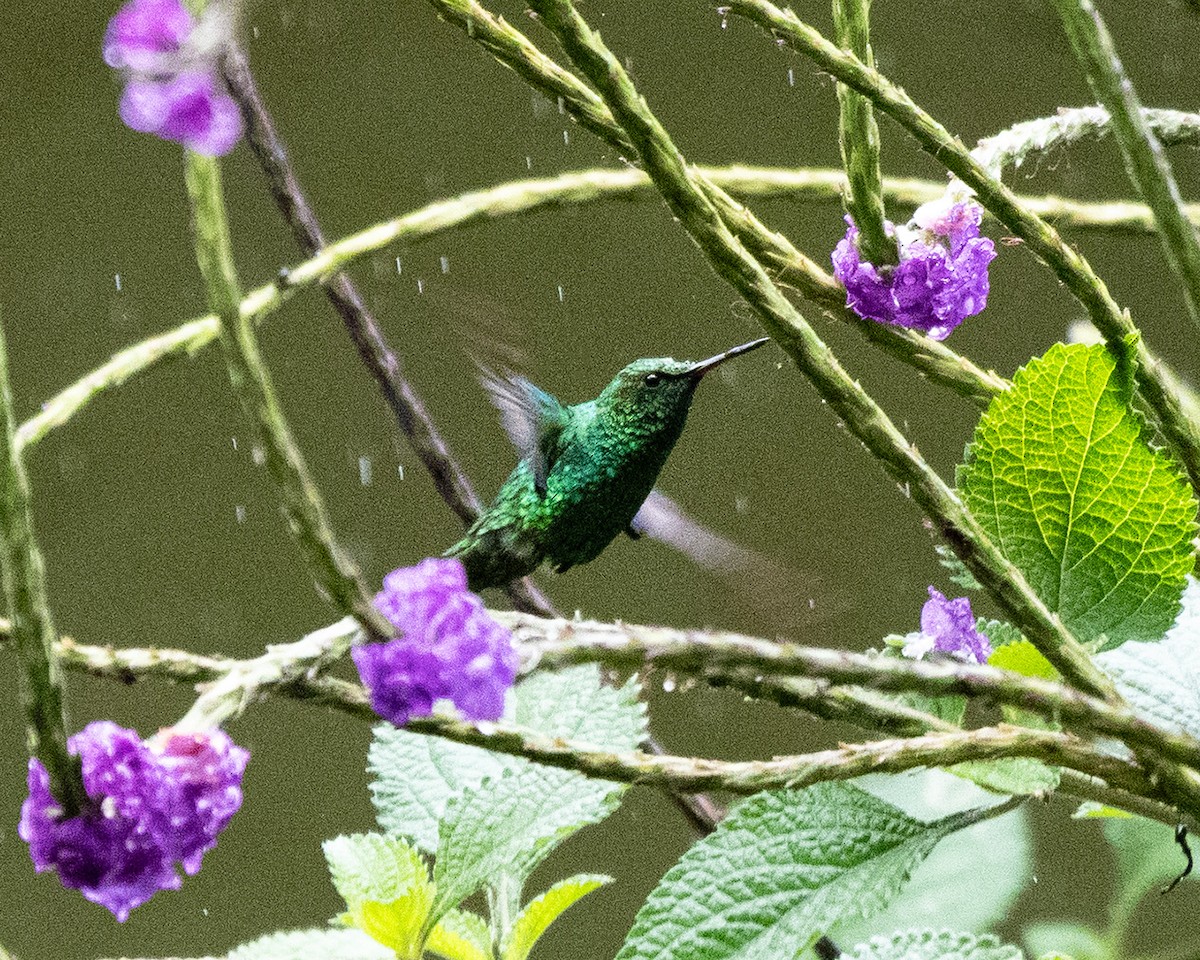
{"type": "Point", "coordinates": [415, 423]}
{"type": "Point", "coordinates": [1069, 266]}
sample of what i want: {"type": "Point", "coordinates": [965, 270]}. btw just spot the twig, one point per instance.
{"type": "Point", "coordinates": [1072, 269]}
{"type": "Point", "coordinates": [451, 483]}
{"type": "Point", "coordinates": [43, 697]}
{"type": "Point", "coordinates": [1147, 164]}
{"type": "Point", "coordinates": [334, 573]}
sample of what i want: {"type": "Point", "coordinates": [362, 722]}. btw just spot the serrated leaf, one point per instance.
{"type": "Point", "coordinates": [1010, 775]}
{"type": "Point", "coordinates": [372, 867]}
{"type": "Point", "coordinates": [1161, 680]}
{"type": "Point", "coordinates": [1073, 940]}
{"type": "Point", "coordinates": [934, 945]}
{"type": "Point", "coordinates": [1060, 478]}
{"type": "Point", "coordinates": [461, 935]}
{"type": "Point", "coordinates": [956, 569]}
{"type": "Point", "coordinates": [779, 871]}
{"type": "Point", "coordinates": [306, 944]}
{"type": "Point", "coordinates": [543, 910]}
{"type": "Point", "coordinates": [416, 776]}
{"type": "Point", "coordinates": [970, 880]}
{"type": "Point", "coordinates": [510, 824]}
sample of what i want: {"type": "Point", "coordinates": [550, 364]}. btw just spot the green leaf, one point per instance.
{"type": "Point", "coordinates": [970, 880]}
{"type": "Point", "coordinates": [461, 935]}
{"type": "Point", "coordinates": [779, 871]}
{"type": "Point", "coordinates": [507, 826]}
{"type": "Point", "coordinates": [306, 944]}
{"type": "Point", "coordinates": [1060, 478]}
{"type": "Point", "coordinates": [385, 884]}
{"type": "Point", "coordinates": [1093, 810]}
{"type": "Point", "coordinates": [543, 910]}
{"type": "Point", "coordinates": [956, 569]}
{"type": "Point", "coordinates": [1161, 680]}
{"type": "Point", "coordinates": [1147, 859]}
{"type": "Point", "coordinates": [1010, 775]}
{"type": "Point", "coordinates": [934, 945]}
{"type": "Point", "coordinates": [1021, 656]}
{"type": "Point", "coordinates": [1073, 940]}
{"type": "Point", "coordinates": [417, 776]}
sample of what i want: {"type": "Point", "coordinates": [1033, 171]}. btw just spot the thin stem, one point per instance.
{"type": "Point", "coordinates": [1145, 159]}
{"type": "Point", "coordinates": [451, 483]}
{"type": "Point", "coordinates": [334, 573]}
{"type": "Point", "coordinates": [43, 696]}
{"type": "Point", "coordinates": [935, 360]}
{"type": "Point", "coordinates": [723, 657]}
{"type": "Point", "coordinates": [859, 139]}
{"type": "Point", "coordinates": [862, 416]}
{"type": "Point", "coordinates": [1121, 336]}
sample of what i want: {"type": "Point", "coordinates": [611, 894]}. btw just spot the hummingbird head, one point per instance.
{"type": "Point", "coordinates": [652, 395]}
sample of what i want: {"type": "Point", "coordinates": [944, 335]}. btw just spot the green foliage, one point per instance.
{"type": "Point", "coordinates": [543, 910]}
{"type": "Point", "coordinates": [306, 944]}
{"type": "Point", "coordinates": [946, 889]}
{"type": "Point", "coordinates": [461, 935]}
{"type": "Point", "coordinates": [1161, 680]}
{"type": "Point", "coordinates": [1061, 480]}
{"type": "Point", "coordinates": [1147, 859]}
{"type": "Point", "coordinates": [1072, 940]}
{"type": "Point", "coordinates": [780, 870]}
{"type": "Point", "coordinates": [934, 945]}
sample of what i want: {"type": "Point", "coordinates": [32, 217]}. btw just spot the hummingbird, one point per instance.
{"type": "Point", "coordinates": [586, 472]}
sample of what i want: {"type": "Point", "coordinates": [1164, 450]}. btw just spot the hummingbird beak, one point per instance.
{"type": "Point", "coordinates": [702, 367]}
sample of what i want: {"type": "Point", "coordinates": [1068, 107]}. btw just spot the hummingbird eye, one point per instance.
{"type": "Point", "coordinates": [653, 379]}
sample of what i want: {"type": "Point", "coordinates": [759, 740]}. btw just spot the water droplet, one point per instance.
{"type": "Point", "coordinates": [567, 137]}
{"type": "Point", "coordinates": [812, 604]}
{"type": "Point", "coordinates": [741, 504]}
{"type": "Point", "coordinates": [258, 455]}
{"type": "Point", "coordinates": [791, 77]}
{"type": "Point", "coordinates": [668, 685]}
{"type": "Point", "coordinates": [562, 105]}
{"type": "Point", "coordinates": [723, 13]}
{"type": "Point", "coordinates": [445, 263]}
{"type": "Point", "coordinates": [234, 439]}
{"type": "Point", "coordinates": [239, 513]}
{"type": "Point", "coordinates": [420, 285]}
{"type": "Point", "coordinates": [364, 471]}
{"type": "Point", "coordinates": [117, 281]}
{"type": "Point", "coordinates": [400, 470]}
{"type": "Point", "coordinates": [398, 269]}
{"type": "Point", "coordinates": [254, 33]}
{"type": "Point", "coordinates": [528, 162]}
{"type": "Point", "coordinates": [560, 293]}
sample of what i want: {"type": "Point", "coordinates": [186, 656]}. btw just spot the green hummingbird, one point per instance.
{"type": "Point", "coordinates": [586, 472]}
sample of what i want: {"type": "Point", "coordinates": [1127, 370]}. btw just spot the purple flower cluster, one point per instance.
{"type": "Point", "coordinates": [173, 90]}
{"type": "Point", "coordinates": [155, 804]}
{"type": "Point", "coordinates": [449, 648]}
{"type": "Point", "coordinates": [942, 276]}
{"type": "Point", "coordinates": [948, 626]}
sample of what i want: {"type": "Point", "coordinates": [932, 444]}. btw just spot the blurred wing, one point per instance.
{"type": "Point", "coordinates": [533, 420]}
{"type": "Point", "coordinates": [767, 585]}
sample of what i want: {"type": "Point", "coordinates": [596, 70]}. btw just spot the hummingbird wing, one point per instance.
{"type": "Point", "coordinates": [662, 519]}
{"type": "Point", "coordinates": [532, 418]}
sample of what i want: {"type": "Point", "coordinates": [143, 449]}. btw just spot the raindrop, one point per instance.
{"type": "Point", "coordinates": [791, 77]}
{"type": "Point", "coordinates": [779, 365]}
{"type": "Point", "coordinates": [812, 604]}
{"type": "Point", "coordinates": [741, 504]}
{"type": "Point", "coordinates": [117, 281]}
{"type": "Point", "coordinates": [234, 439]}
{"type": "Point", "coordinates": [562, 105]}
{"type": "Point", "coordinates": [258, 455]}
{"type": "Point", "coordinates": [398, 270]}
{"type": "Point", "coordinates": [723, 13]}
{"type": "Point", "coordinates": [239, 513]}
{"type": "Point", "coordinates": [528, 162]}
{"type": "Point", "coordinates": [400, 470]}
{"type": "Point", "coordinates": [254, 33]}
{"type": "Point", "coordinates": [560, 293]}
{"type": "Point", "coordinates": [567, 137]}
{"type": "Point", "coordinates": [668, 685]}
{"type": "Point", "coordinates": [364, 471]}
{"type": "Point", "coordinates": [420, 285]}
{"type": "Point", "coordinates": [445, 262]}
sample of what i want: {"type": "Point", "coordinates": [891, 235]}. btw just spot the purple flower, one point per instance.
{"type": "Point", "coordinates": [942, 276]}
{"type": "Point", "coordinates": [449, 648]}
{"type": "Point", "coordinates": [949, 627]}
{"type": "Point", "coordinates": [155, 804]}
{"type": "Point", "coordinates": [173, 89]}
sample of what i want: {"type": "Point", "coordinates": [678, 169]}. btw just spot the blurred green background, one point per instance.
{"type": "Point", "coordinates": [158, 527]}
